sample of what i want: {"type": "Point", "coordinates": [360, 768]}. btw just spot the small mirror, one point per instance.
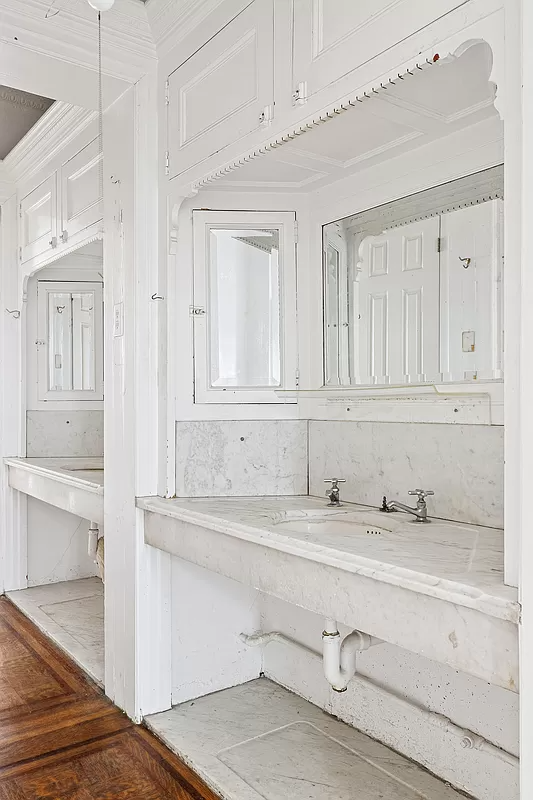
{"type": "Point", "coordinates": [244, 308]}
{"type": "Point", "coordinates": [70, 340]}
{"type": "Point", "coordinates": [412, 289]}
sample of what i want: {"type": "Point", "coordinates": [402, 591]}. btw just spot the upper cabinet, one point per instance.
{"type": "Point", "coordinates": [80, 191]}
{"type": "Point", "coordinates": [63, 211]}
{"type": "Point", "coordinates": [224, 91]}
{"type": "Point", "coordinates": [334, 37]}
{"type": "Point", "coordinates": [38, 220]}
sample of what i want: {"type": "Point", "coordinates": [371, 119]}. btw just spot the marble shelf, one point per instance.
{"type": "Point", "coordinates": [72, 484]}
{"type": "Point", "coordinates": [259, 741]}
{"type": "Point", "coordinates": [434, 589]}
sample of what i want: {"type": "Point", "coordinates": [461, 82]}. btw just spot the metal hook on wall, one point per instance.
{"type": "Point", "coordinates": [156, 296]}
{"type": "Point", "coordinates": [15, 314]}
{"type": "Point", "coordinates": [466, 262]}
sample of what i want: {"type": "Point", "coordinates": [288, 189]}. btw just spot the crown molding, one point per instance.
{"type": "Point", "coordinates": [172, 20]}
{"type": "Point", "coordinates": [20, 99]}
{"type": "Point", "coordinates": [7, 187]}
{"type": "Point", "coordinates": [67, 30]}
{"type": "Point", "coordinates": [56, 128]}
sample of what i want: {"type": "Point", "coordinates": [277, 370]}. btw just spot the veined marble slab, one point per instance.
{"type": "Point", "coordinates": [435, 589]}
{"type": "Point", "coordinates": [71, 613]}
{"type": "Point", "coordinates": [73, 484]}
{"type": "Point", "coordinates": [258, 741]}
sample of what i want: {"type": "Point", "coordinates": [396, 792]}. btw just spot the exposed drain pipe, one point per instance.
{"type": "Point", "coordinates": [92, 544]}
{"type": "Point", "coordinates": [339, 657]}
{"type": "Point", "coordinates": [469, 739]}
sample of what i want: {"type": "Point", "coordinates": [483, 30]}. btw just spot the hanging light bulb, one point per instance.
{"type": "Point", "coordinates": [101, 5]}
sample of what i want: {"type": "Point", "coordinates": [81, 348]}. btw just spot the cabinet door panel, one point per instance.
{"type": "Point", "coordinates": [80, 190]}
{"type": "Point", "coordinates": [217, 96]}
{"type": "Point", "coordinates": [38, 219]}
{"type": "Point", "coordinates": [334, 37]}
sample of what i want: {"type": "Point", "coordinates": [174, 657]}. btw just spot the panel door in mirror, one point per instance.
{"type": "Point", "coordinates": [70, 341]}
{"type": "Point", "coordinates": [244, 305]}
{"type": "Point", "coordinates": [412, 289]}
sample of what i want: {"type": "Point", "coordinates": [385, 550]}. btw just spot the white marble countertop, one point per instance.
{"type": "Point", "coordinates": [82, 473]}
{"type": "Point", "coordinates": [458, 563]}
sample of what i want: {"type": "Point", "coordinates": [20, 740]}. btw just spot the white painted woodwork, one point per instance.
{"type": "Point", "coordinates": [80, 191]}
{"type": "Point", "coordinates": [224, 91]}
{"type": "Point", "coordinates": [230, 341]}
{"type": "Point", "coordinates": [38, 231]}
{"type": "Point", "coordinates": [334, 37]}
{"type": "Point", "coordinates": [398, 302]}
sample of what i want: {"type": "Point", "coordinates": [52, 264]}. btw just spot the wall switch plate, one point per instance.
{"type": "Point", "coordinates": [118, 319]}
{"type": "Point", "coordinates": [469, 341]}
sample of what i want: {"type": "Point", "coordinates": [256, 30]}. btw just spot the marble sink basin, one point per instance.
{"type": "Point", "coordinates": [358, 523]}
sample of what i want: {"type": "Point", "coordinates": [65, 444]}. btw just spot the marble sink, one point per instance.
{"type": "Point", "coordinates": [74, 485]}
{"type": "Point", "coordinates": [344, 523]}
{"type": "Point", "coordinates": [435, 589]}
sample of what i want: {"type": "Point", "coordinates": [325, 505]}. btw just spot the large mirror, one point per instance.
{"type": "Point", "coordinates": [70, 340]}
{"type": "Point", "coordinates": [413, 288]}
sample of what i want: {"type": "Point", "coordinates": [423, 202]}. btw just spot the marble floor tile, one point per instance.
{"type": "Point", "coordinates": [71, 613]}
{"type": "Point", "coordinates": [259, 741]}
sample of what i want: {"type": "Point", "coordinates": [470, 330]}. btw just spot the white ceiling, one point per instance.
{"type": "Point", "coordinates": [19, 111]}
{"type": "Point", "coordinates": [445, 97]}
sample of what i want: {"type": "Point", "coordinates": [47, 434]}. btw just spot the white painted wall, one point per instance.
{"type": "Point", "coordinates": [209, 611]}
{"type": "Point", "coordinates": [57, 545]}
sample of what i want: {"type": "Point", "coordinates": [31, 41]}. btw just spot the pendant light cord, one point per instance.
{"type": "Point", "coordinates": [100, 111]}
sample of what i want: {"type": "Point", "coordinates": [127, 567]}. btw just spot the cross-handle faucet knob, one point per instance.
{"type": "Point", "coordinates": [334, 482]}
{"type": "Point", "coordinates": [334, 492]}
{"type": "Point", "coordinates": [421, 493]}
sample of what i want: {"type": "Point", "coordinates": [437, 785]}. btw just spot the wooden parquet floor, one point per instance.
{"type": "Point", "coordinates": [62, 739]}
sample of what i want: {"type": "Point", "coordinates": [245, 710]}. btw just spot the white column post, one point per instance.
{"type": "Point", "coordinates": [137, 591]}
{"type": "Point", "coordinates": [13, 534]}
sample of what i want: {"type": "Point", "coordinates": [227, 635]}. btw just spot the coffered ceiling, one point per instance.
{"type": "Point", "coordinates": [19, 111]}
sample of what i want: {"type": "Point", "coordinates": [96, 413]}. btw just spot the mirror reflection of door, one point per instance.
{"type": "Point", "coordinates": [398, 277]}
{"type": "Point", "coordinates": [412, 289]}
{"type": "Point", "coordinates": [70, 341]}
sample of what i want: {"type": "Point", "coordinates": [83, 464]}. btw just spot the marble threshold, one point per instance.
{"type": "Point", "coordinates": [435, 589]}
{"type": "Point", "coordinates": [258, 741]}
{"type": "Point", "coordinates": [71, 614]}
{"type": "Point", "coordinates": [75, 485]}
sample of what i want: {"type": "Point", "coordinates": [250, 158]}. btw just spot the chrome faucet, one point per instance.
{"type": "Point", "coordinates": [334, 493]}
{"type": "Point", "coordinates": [421, 509]}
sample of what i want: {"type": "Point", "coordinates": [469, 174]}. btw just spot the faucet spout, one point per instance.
{"type": "Point", "coordinates": [420, 511]}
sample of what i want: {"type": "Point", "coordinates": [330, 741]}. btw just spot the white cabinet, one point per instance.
{"type": "Point", "coordinates": [334, 37]}
{"type": "Point", "coordinates": [80, 191]}
{"type": "Point", "coordinates": [38, 220]}
{"type": "Point", "coordinates": [63, 211]}
{"type": "Point", "coordinates": [224, 91]}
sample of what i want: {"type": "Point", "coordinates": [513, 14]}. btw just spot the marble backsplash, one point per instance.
{"type": "Point", "coordinates": [241, 458]}
{"type": "Point", "coordinates": [58, 434]}
{"type": "Point", "coordinates": [463, 464]}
